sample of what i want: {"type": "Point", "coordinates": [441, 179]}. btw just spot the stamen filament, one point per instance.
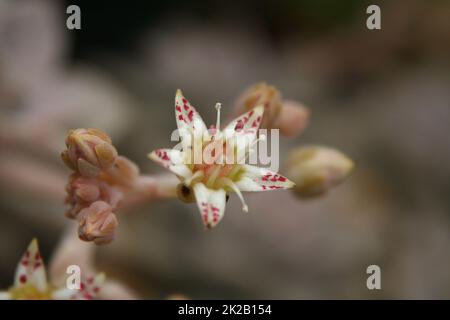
{"type": "Point", "coordinates": [234, 171]}
{"type": "Point", "coordinates": [250, 150]}
{"type": "Point", "coordinates": [229, 183]}
{"type": "Point", "coordinates": [218, 107]}
{"type": "Point", "coordinates": [262, 137]}
{"type": "Point", "coordinates": [213, 176]}
{"type": "Point", "coordinates": [197, 175]}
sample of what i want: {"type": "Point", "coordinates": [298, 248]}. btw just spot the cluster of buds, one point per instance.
{"type": "Point", "coordinates": [89, 151]}
{"type": "Point", "coordinates": [97, 186]}
{"type": "Point", "coordinates": [290, 117]}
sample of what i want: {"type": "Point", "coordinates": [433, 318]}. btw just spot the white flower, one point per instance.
{"type": "Point", "coordinates": [31, 281]}
{"type": "Point", "coordinates": [211, 162]}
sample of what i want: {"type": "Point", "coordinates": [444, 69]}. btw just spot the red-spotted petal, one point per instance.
{"type": "Point", "coordinates": [260, 179]}
{"type": "Point", "coordinates": [89, 289]}
{"type": "Point", "coordinates": [246, 124]}
{"type": "Point", "coordinates": [211, 204]}
{"type": "Point", "coordinates": [31, 270]}
{"type": "Point", "coordinates": [171, 159]}
{"type": "Point", "coordinates": [188, 119]}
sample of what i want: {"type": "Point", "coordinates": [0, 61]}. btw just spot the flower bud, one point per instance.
{"type": "Point", "coordinates": [289, 116]}
{"type": "Point", "coordinates": [97, 223]}
{"type": "Point", "coordinates": [124, 172]}
{"type": "Point", "coordinates": [261, 94]}
{"type": "Point", "coordinates": [293, 118]}
{"type": "Point", "coordinates": [316, 169]}
{"type": "Point", "coordinates": [82, 191]}
{"type": "Point", "coordinates": [89, 151]}
{"type": "Point", "coordinates": [86, 189]}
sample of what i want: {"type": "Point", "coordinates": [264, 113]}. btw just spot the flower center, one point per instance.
{"type": "Point", "coordinates": [222, 161]}
{"type": "Point", "coordinates": [214, 166]}
{"type": "Point", "coordinates": [29, 292]}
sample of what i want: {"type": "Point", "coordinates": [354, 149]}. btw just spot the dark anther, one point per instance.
{"type": "Point", "coordinates": [185, 191]}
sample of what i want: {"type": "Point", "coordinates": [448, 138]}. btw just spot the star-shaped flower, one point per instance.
{"type": "Point", "coordinates": [31, 281]}
{"type": "Point", "coordinates": [211, 163]}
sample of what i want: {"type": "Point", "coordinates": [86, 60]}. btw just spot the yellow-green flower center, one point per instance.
{"type": "Point", "coordinates": [29, 292]}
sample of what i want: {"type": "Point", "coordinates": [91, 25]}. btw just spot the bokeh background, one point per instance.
{"type": "Point", "coordinates": [382, 97]}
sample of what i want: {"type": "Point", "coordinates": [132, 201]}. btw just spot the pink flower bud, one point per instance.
{"type": "Point", "coordinates": [82, 191]}
{"type": "Point", "coordinates": [293, 119]}
{"type": "Point", "coordinates": [124, 172]}
{"type": "Point", "coordinates": [289, 116]}
{"type": "Point", "coordinates": [89, 151]}
{"type": "Point", "coordinates": [261, 94]}
{"type": "Point", "coordinates": [97, 223]}
{"type": "Point", "coordinates": [316, 169]}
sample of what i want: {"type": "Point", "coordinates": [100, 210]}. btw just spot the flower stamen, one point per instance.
{"type": "Point", "coordinates": [229, 183]}
{"type": "Point", "coordinates": [197, 175]}
{"type": "Point", "coordinates": [245, 156]}
{"type": "Point", "coordinates": [218, 107]}
{"type": "Point", "coordinates": [213, 176]}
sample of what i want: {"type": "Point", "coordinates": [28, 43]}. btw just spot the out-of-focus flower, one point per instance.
{"type": "Point", "coordinates": [89, 151]}
{"type": "Point", "coordinates": [316, 169]}
{"type": "Point", "coordinates": [293, 119]}
{"type": "Point", "coordinates": [71, 251]}
{"type": "Point", "coordinates": [212, 178]}
{"type": "Point", "coordinates": [265, 95]}
{"type": "Point", "coordinates": [289, 116]}
{"type": "Point", "coordinates": [31, 281]}
{"type": "Point", "coordinates": [97, 223]}
{"type": "Point", "coordinates": [177, 296]}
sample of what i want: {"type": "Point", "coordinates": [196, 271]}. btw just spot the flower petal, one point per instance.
{"type": "Point", "coordinates": [246, 124]}
{"type": "Point", "coordinates": [89, 289]}
{"type": "Point", "coordinates": [189, 120]}
{"type": "Point", "coordinates": [63, 294]}
{"type": "Point", "coordinates": [171, 159]}
{"type": "Point", "coordinates": [31, 269]}
{"type": "Point", "coordinates": [211, 204]}
{"type": "Point", "coordinates": [5, 295]}
{"type": "Point", "coordinates": [261, 179]}
{"type": "Point", "coordinates": [114, 290]}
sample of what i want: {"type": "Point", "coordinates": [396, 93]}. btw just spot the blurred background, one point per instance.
{"type": "Point", "coordinates": [382, 97]}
